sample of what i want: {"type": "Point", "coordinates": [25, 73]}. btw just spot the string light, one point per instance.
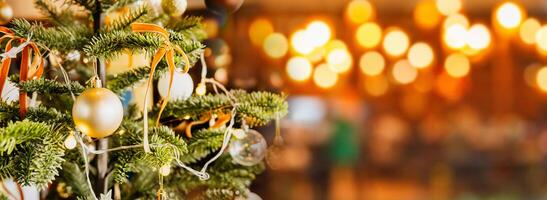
{"type": "Point", "coordinates": [478, 37]}
{"type": "Point", "coordinates": [165, 170]}
{"type": "Point", "coordinates": [359, 11]}
{"type": "Point", "coordinates": [395, 42]}
{"type": "Point", "coordinates": [541, 78]}
{"type": "Point", "coordinates": [259, 29]}
{"type": "Point", "coordinates": [426, 14]}
{"type": "Point", "coordinates": [448, 7]}
{"type": "Point", "coordinates": [457, 65]}
{"type": "Point", "coordinates": [456, 19]}
{"type": "Point", "coordinates": [275, 45]}
{"type": "Point", "coordinates": [420, 55]}
{"type": "Point", "coordinates": [70, 141]}
{"type": "Point", "coordinates": [319, 33]}
{"type": "Point", "coordinates": [372, 63]}
{"type": "Point", "coordinates": [324, 76]}
{"type": "Point", "coordinates": [403, 72]}
{"type": "Point", "coordinates": [541, 40]}
{"type": "Point", "coordinates": [509, 15]}
{"type": "Point", "coordinates": [339, 60]}
{"type": "Point", "coordinates": [201, 89]}
{"type": "Point", "coordinates": [369, 35]}
{"type": "Point", "coordinates": [455, 36]}
{"type": "Point", "coordinates": [335, 44]}
{"type": "Point", "coordinates": [528, 30]}
{"type": "Point", "coordinates": [301, 42]}
{"type": "Point", "coordinates": [299, 68]}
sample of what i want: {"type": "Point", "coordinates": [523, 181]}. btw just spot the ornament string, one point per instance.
{"type": "Point", "coordinates": [167, 50]}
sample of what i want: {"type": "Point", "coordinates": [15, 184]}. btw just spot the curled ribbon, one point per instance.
{"type": "Point", "coordinates": [26, 72]}
{"type": "Point", "coordinates": [167, 50]}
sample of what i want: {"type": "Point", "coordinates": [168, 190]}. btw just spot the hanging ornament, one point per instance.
{"type": "Point", "coordinates": [174, 8]}
{"type": "Point", "coordinates": [97, 112]}
{"type": "Point", "coordinates": [181, 88]}
{"type": "Point", "coordinates": [248, 148]}
{"type": "Point", "coordinates": [223, 6]}
{"type": "Point", "coordinates": [6, 12]}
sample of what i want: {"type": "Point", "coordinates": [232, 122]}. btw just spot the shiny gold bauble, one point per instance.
{"type": "Point", "coordinates": [97, 112]}
{"type": "Point", "coordinates": [174, 8]}
{"type": "Point", "coordinates": [6, 13]}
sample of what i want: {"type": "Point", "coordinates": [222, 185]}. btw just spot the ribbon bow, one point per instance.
{"type": "Point", "coordinates": [26, 72]}
{"type": "Point", "coordinates": [167, 50]}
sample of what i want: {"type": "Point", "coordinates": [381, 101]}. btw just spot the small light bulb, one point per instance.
{"type": "Point", "coordinates": [70, 142]}
{"type": "Point", "coordinates": [200, 89]}
{"type": "Point", "coordinates": [165, 170]}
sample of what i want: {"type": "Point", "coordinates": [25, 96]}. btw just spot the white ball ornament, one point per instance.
{"type": "Point", "coordinates": [97, 112]}
{"type": "Point", "coordinates": [181, 88]}
{"type": "Point", "coordinates": [248, 148]}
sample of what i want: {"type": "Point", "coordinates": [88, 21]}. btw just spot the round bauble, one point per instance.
{"type": "Point", "coordinates": [174, 8]}
{"type": "Point", "coordinates": [248, 148]}
{"type": "Point", "coordinates": [6, 13]}
{"type": "Point", "coordinates": [223, 6]}
{"type": "Point", "coordinates": [181, 88]}
{"type": "Point", "coordinates": [97, 112]}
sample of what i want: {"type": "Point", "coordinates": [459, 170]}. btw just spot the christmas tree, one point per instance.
{"type": "Point", "coordinates": [69, 135]}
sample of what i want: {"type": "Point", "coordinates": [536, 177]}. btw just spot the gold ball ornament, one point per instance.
{"type": "Point", "coordinates": [6, 13]}
{"type": "Point", "coordinates": [174, 8]}
{"type": "Point", "coordinates": [97, 112]}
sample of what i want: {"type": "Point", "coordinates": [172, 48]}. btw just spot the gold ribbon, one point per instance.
{"type": "Point", "coordinates": [26, 71]}
{"type": "Point", "coordinates": [167, 50]}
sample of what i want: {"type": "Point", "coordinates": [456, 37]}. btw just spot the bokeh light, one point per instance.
{"type": "Point", "coordinates": [509, 15]}
{"type": "Point", "coordinates": [455, 36]}
{"type": "Point", "coordinates": [275, 45]}
{"type": "Point", "coordinates": [339, 60]}
{"type": "Point", "coordinates": [319, 33]}
{"type": "Point", "coordinates": [395, 42]}
{"type": "Point", "coordinates": [324, 77]}
{"type": "Point", "coordinates": [541, 40]}
{"type": "Point", "coordinates": [449, 7]}
{"type": "Point", "coordinates": [541, 79]}
{"type": "Point", "coordinates": [455, 19]}
{"type": "Point", "coordinates": [359, 11]}
{"type": "Point", "coordinates": [301, 42]}
{"type": "Point", "coordinates": [403, 72]}
{"type": "Point", "coordinates": [478, 37]}
{"type": "Point", "coordinates": [369, 35]}
{"type": "Point", "coordinates": [299, 68]}
{"type": "Point", "coordinates": [259, 29]}
{"type": "Point", "coordinates": [528, 30]}
{"type": "Point", "coordinates": [372, 63]}
{"type": "Point", "coordinates": [426, 14]}
{"type": "Point", "coordinates": [221, 75]}
{"type": "Point", "coordinates": [376, 85]}
{"type": "Point", "coordinates": [457, 65]}
{"type": "Point", "coordinates": [335, 44]}
{"type": "Point", "coordinates": [530, 73]}
{"type": "Point", "coordinates": [420, 55]}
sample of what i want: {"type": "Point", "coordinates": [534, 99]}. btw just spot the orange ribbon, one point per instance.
{"type": "Point", "coordinates": [167, 50]}
{"type": "Point", "coordinates": [36, 66]}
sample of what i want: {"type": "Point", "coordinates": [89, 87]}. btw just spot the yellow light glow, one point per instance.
{"type": "Point", "coordinates": [541, 40]}
{"type": "Point", "coordinates": [455, 19]}
{"type": "Point", "coordinates": [528, 30]}
{"type": "Point", "coordinates": [403, 72]}
{"type": "Point", "coordinates": [339, 60]}
{"type": "Point", "coordinates": [509, 15]}
{"type": "Point", "coordinates": [165, 170]}
{"type": "Point", "coordinates": [201, 89]}
{"type": "Point", "coordinates": [530, 74]}
{"type": "Point", "coordinates": [259, 29]}
{"type": "Point", "coordinates": [455, 36]}
{"type": "Point", "coordinates": [457, 65]}
{"type": "Point", "coordinates": [376, 85]}
{"type": "Point", "coordinates": [541, 79]}
{"type": "Point", "coordinates": [420, 55]}
{"type": "Point", "coordinates": [301, 42]}
{"type": "Point", "coordinates": [426, 14]}
{"type": "Point", "coordinates": [369, 35]}
{"type": "Point", "coordinates": [324, 77]}
{"type": "Point", "coordinates": [221, 75]}
{"type": "Point", "coordinates": [299, 68]}
{"type": "Point", "coordinates": [316, 55]}
{"type": "Point", "coordinates": [448, 7]}
{"type": "Point", "coordinates": [395, 43]}
{"type": "Point", "coordinates": [319, 33]}
{"type": "Point", "coordinates": [372, 63]}
{"type": "Point", "coordinates": [359, 11]}
{"type": "Point", "coordinates": [275, 45]}
{"type": "Point", "coordinates": [70, 142]}
{"type": "Point", "coordinates": [478, 37]}
{"type": "Point", "coordinates": [335, 44]}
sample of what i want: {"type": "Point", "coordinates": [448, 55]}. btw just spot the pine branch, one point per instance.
{"type": "Point", "coordinates": [203, 143]}
{"type": "Point", "coordinates": [63, 38]}
{"type": "Point", "coordinates": [107, 5]}
{"type": "Point", "coordinates": [75, 178]}
{"type": "Point", "coordinates": [89, 5]}
{"type": "Point", "coordinates": [17, 133]}
{"type": "Point", "coordinates": [190, 27]}
{"type": "Point", "coordinates": [10, 113]}
{"type": "Point", "coordinates": [47, 86]}
{"type": "Point", "coordinates": [123, 22]}
{"type": "Point", "coordinates": [59, 16]}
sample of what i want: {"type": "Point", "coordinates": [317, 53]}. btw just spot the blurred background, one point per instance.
{"type": "Point", "coordinates": [391, 99]}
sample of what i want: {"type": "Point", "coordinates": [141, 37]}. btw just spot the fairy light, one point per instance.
{"type": "Point", "coordinates": [455, 36]}
{"type": "Point", "coordinates": [335, 44]}
{"type": "Point", "coordinates": [478, 37]}
{"type": "Point", "coordinates": [165, 170]}
{"type": "Point", "coordinates": [372, 63]}
{"type": "Point", "coordinates": [299, 68]}
{"type": "Point", "coordinates": [275, 45]}
{"type": "Point", "coordinates": [457, 65]}
{"type": "Point", "coordinates": [70, 141]}
{"type": "Point", "coordinates": [201, 89]}
{"type": "Point", "coordinates": [448, 7]}
{"type": "Point", "coordinates": [541, 79]}
{"type": "Point", "coordinates": [541, 40]}
{"type": "Point", "coordinates": [339, 60]}
{"type": "Point", "coordinates": [324, 76]}
{"type": "Point", "coordinates": [221, 75]}
{"type": "Point", "coordinates": [420, 55]}
{"type": "Point", "coordinates": [301, 42]}
{"type": "Point", "coordinates": [395, 42]}
{"type": "Point", "coordinates": [528, 30]}
{"type": "Point", "coordinates": [426, 14]}
{"type": "Point", "coordinates": [319, 33]}
{"type": "Point", "coordinates": [456, 19]}
{"type": "Point", "coordinates": [259, 29]}
{"type": "Point", "coordinates": [368, 35]}
{"type": "Point", "coordinates": [403, 72]}
{"type": "Point", "coordinates": [359, 11]}
{"type": "Point", "coordinates": [509, 15]}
